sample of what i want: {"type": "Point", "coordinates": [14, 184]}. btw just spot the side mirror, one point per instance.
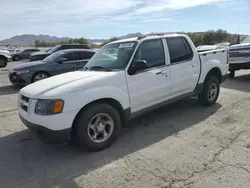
{"type": "Point", "coordinates": [60, 60]}
{"type": "Point", "coordinates": [137, 65]}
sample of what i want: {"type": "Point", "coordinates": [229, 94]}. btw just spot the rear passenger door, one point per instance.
{"type": "Point", "coordinates": [184, 66]}
{"type": "Point", "coordinates": [81, 58]}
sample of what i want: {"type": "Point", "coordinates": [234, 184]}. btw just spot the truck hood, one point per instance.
{"type": "Point", "coordinates": [68, 82]}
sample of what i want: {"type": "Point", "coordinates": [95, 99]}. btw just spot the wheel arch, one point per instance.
{"type": "Point", "coordinates": [214, 72]}
{"type": "Point", "coordinates": [5, 61]}
{"type": "Point", "coordinates": [3, 57]}
{"type": "Point", "coordinates": [16, 56]}
{"type": "Point", "coordinates": [112, 102]}
{"type": "Point", "coordinates": [40, 71]}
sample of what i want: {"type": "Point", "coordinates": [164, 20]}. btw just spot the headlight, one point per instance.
{"type": "Point", "coordinates": [49, 106]}
{"type": "Point", "coordinates": [22, 71]}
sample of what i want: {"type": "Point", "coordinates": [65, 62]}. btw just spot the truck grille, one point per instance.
{"type": "Point", "coordinates": [24, 103]}
{"type": "Point", "coordinates": [25, 108]}
{"type": "Point", "coordinates": [26, 99]}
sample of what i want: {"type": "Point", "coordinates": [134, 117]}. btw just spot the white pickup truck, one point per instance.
{"type": "Point", "coordinates": [122, 80]}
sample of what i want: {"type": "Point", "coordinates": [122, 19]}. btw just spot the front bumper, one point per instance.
{"type": "Point", "coordinates": [47, 135]}
{"type": "Point", "coordinates": [19, 79]}
{"type": "Point", "coordinates": [16, 79]}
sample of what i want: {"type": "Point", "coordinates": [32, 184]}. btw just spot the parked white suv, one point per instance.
{"type": "Point", "coordinates": [4, 58]}
{"type": "Point", "coordinates": [122, 80]}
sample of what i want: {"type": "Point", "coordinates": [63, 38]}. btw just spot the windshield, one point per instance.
{"type": "Point", "coordinates": [54, 56]}
{"type": "Point", "coordinates": [112, 56]}
{"type": "Point", "coordinates": [54, 49]}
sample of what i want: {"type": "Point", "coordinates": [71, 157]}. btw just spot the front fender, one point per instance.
{"type": "Point", "coordinates": [5, 56]}
{"type": "Point", "coordinates": [78, 99]}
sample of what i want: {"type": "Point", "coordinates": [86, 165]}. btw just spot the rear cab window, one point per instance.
{"type": "Point", "coordinates": [179, 49]}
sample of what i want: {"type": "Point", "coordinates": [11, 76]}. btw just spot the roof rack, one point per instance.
{"type": "Point", "coordinates": [155, 34]}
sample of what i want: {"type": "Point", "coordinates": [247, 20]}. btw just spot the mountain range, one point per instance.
{"type": "Point", "coordinates": [28, 39]}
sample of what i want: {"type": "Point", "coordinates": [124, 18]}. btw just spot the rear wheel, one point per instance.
{"type": "Point", "coordinates": [39, 76]}
{"type": "Point", "coordinates": [3, 62]}
{"type": "Point", "coordinates": [16, 58]}
{"type": "Point", "coordinates": [97, 127]}
{"type": "Point", "coordinates": [210, 92]}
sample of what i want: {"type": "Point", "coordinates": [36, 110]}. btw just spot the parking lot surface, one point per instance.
{"type": "Point", "coordinates": [181, 145]}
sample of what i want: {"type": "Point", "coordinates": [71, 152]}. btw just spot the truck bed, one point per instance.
{"type": "Point", "coordinates": [218, 57]}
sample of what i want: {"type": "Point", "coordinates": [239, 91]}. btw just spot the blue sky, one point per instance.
{"type": "Point", "coordinates": [106, 18]}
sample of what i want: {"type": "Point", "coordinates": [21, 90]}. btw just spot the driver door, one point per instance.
{"type": "Point", "coordinates": [151, 86]}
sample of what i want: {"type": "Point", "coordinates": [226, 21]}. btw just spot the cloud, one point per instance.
{"type": "Point", "coordinates": [240, 5]}
{"type": "Point", "coordinates": [64, 16]}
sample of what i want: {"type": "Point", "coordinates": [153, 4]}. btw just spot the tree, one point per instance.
{"type": "Point", "coordinates": [37, 43]}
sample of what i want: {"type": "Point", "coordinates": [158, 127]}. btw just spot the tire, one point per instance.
{"type": "Point", "coordinates": [210, 92]}
{"type": "Point", "coordinates": [3, 62]}
{"type": "Point", "coordinates": [88, 118]}
{"type": "Point", "coordinates": [232, 74]}
{"type": "Point", "coordinates": [42, 75]}
{"type": "Point", "coordinates": [16, 58]}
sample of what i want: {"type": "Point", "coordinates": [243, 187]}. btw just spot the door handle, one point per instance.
{"type": "Point", "coordinates": [193, 65]}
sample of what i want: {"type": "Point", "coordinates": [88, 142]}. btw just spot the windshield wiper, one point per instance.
{"type": "Point", "coordinates": [99, 68]}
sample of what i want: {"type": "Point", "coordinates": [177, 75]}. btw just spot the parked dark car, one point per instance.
{"type": "Point", "coordinates": [23, 54]}
{"type": "Point", "coordinates": [41, 55]}
{"type": "Point", "coordinates": [57, 63]}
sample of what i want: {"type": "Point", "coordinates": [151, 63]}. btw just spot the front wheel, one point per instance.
{"type": "Point", "coordinates": [98, 127]}
{"type": "Point", "coordinates": [3, 62]}
{"type": "Point", "coordinates": [210, 92]}
{"type": "Point", "coordinates": [16, 58]}
{"type": "Point", "coordinates": [39, 76]}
